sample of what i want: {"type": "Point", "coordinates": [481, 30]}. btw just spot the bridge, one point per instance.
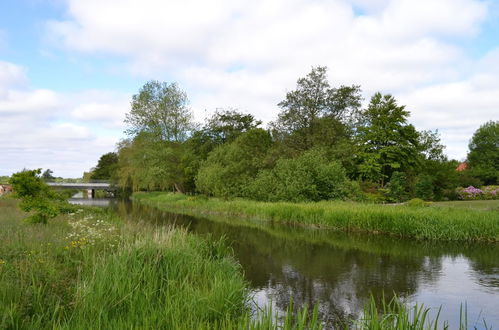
{"type": "Point", "coordinates": [93, 186]}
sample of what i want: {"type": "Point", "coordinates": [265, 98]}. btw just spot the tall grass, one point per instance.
{"type": "Point", "coordinates": [399, 220]}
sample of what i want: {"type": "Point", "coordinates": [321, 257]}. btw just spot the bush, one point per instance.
{"type": "Point", "coordinates": [309, 177]}
{"type": "Point", "coordinates": [490, 192]}
{"type": "Point", "coordinates": [470, 193]}
{"type": "Point", "coordinates": [424, 187]}
{"type": "Point", "coordinates": [397, 187]}
{"type": "Point", "coordinates": [35, 196]}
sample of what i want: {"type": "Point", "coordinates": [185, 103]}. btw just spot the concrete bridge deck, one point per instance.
{"type": "Point", "coordinates": [83, 185]}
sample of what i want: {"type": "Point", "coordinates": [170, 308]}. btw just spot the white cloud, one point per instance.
{"type": "Point", "coordinates": [41, 128]}
{"type": "Point", "coordinates": [248, 53]}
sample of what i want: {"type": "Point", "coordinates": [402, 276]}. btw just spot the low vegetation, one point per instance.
{"type": "Point", "coordinates": [404, 221]}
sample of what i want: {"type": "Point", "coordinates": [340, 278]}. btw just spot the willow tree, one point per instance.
{"type": "Point", "coordinates": [158, 123]}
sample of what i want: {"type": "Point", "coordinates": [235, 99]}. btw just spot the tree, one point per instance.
{"type": "Point", "coordinates": [309, 177]}
{"type": "Point", "coordinates": [145, 163]}
{"type": "Point", "coordinates": [106, 167]}
{"type": "Point", "coordinates": [386, 141]}
{"type": "Point", "coordinates": [35, 195]}
{"type": "Point", "coordinates": [161, 109]}
{"type": "Point", "coordinates": [483, 156]}
{"type": "Point", "coordinates": [312, 105]}
{"type": "Point", "coordinates": [226, 125]}
{"type": "Point", "coordinates": [230, 168]}
{"type": "Point", "coordinates": [47, 175]}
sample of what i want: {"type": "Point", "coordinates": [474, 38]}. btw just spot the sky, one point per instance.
{"type": "Point", "coordinates": [69, 68]}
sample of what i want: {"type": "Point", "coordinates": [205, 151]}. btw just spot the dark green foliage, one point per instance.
{"type": "Point", "coordinates": [47, 175]}
{"type": "Point", "coordinates": [106, 167]}
{"type": "Point", "coordinates": [226, 125]}
{"type": "Point", "coordinates": [483, 157]}
{"type": "Point", "coordinates": [309, 177]}
{"type": "Point", "coordinates": [35, 196]}
{"type": "Point", "coordinates": [398, 187]}
{"type": "Point", "coordinates": [424, 187]}
{"type": "Point", "coordinates": [387, 142]}
{"type": "Point", "coordinates": [231, 167]}
{"type": "Point", "coordinates": [315, 112]}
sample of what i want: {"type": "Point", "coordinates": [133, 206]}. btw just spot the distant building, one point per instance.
{"type": "Point", "coordinates": [5, 188]}
{"type": "Point", "coordinates": [462, 167]}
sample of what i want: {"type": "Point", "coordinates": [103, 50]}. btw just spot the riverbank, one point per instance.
{"type": "Point", "coordinates": [92, 269]}
{"type": "Point", "coordinates": [89, 269]}
{"type": "Point", "coordinates": [427, 223]}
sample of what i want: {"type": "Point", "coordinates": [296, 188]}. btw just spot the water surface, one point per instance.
{"type": "Point", "coordinates": [340, 271]}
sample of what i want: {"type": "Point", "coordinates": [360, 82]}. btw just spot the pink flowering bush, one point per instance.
{"type": "Point", "coordinates": [469, 193]}
{"type": "Point", "coordinates": [491, 192]}
{"type": "Point", "coordinates": [472, 193]}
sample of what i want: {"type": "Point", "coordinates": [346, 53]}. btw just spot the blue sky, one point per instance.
{"type": "Point", "coordinates": [68, 68]}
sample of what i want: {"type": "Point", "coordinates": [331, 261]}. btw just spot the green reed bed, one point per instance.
{"type": "Point", "coordinates": [450, 224]}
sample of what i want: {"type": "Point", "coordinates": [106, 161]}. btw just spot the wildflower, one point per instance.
{"type": "Point", "coordinates": [2, 262]}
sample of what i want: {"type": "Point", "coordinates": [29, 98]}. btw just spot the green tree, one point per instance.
{"type": "Point", "coordinates": [313, 108]}
{"type": "Point", "coordinates": [35, 196]}
{"type": "Point", "coordinates": [47, 175]}
{"type": "Point", "coordinates": [424, 187]}
{"type": "Point", "coordinates": [144, 163]}
{"type": "Point", "coordinates": [106, 167]}
{"type": "Point", "coordinates": [398, 187]}
{"type": "Point", "coordinates": [226, 125]}
{"type": "Point", "coordinates": [483, 155]}
{"type": "Point", "coordinates": [161, 109]}
{"type": "Point", "coordinates": [230, 168]}
{"type": "Point", "coordinates": [309, 177]}
{"type": "Point", "coordinates": [386, 141]}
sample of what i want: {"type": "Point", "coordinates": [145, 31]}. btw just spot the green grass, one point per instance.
{"type": "Point", "coordinates": [449, 224]}
{"type": "Point", "coordinates": [481, 205]}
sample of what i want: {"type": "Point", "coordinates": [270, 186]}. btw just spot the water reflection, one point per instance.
{"type": "Point", "coordinates": [340, 271]}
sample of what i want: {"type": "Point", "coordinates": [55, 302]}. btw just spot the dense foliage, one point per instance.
{"type": "Point", "coordinates": [323, 145]}
{"type": "Point", "coordinates": [35, 196]}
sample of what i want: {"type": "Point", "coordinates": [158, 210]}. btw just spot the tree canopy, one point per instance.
{"type": "Point", "coordinates": [483, 156]}
{"type": "Point", "coordinates": [160, 108]}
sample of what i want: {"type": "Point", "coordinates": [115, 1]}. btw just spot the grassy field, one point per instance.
{"type": "Point", "coordinates": [92, 270]}
{"type": "Point", "coordinates": [485, 205]}
{"type": "Point", "coordinates": [445, 223]}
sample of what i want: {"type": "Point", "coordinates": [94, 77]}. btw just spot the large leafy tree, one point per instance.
{"type": "Point", "coordinates": [106, 167]}
{"type": "Point", "coordinates": [148, 164]}
{"type": "Point", "coordinates": [160, 108]}
{"type": "Point", "coordinates": [231, 167]}
{"type": "Point", "coordinates": [386, 141]}
{"type": "Point", "coordinates": [483, 156]}
{"type": "Point", "coordinates": [158, 124]}
{"type": "Point", "coordinates": [315, 111]}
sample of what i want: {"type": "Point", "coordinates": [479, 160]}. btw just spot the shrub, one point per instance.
{"type": "Point", "coordinates": [470, 193]}
{"type": "Point", "coordinates": [309, 177]}
{"type": "Point", "coordinates": [424, 187]}
{"type": "Point", "coordinates": [490, 192]}
{"type": "Point", "coordinates": [397, 187]}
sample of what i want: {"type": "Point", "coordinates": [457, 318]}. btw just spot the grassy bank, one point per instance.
{"type": "Point", "coordinates": [89, 270]}
{"type": "Point", "coordinates": [446, 223]}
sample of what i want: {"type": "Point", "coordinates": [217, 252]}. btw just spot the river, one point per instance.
{"type": "Point", "coordinates": [340, 271]}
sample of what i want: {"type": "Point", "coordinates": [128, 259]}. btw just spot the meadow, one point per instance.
{"type": "Point", "coordinates": [446, 223]}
